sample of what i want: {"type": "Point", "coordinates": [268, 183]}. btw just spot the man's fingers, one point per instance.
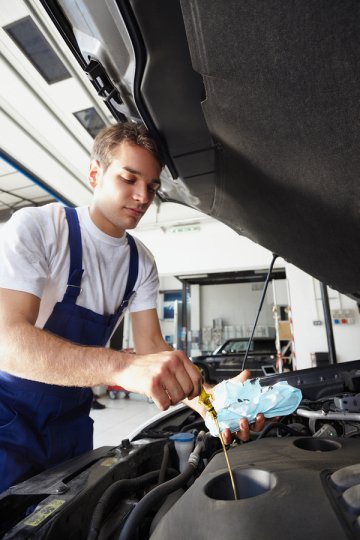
{"type": "Point", "coordinates": [244, 433]}
{"type": "Point", "coordinates": [259, 423]}
{"type": "Point", "coordinates": [245, 427]}
{"type": "Point", "coordinates": [176, 391]}
{"type": "Point", "coordinates": [194, 375]}
{"type": "Point", "coordinates": [175, 379]}
{"type": "Point", "coordinates": [227, 436]}
{"type": "Point", "coordinates": [161, 399]}
{"type": "Point", "coordinates": [165, 389]}
{"type": "Point", "coordinates": [182, 379]}
{"type": "Point", "coordinates": [167, 377]}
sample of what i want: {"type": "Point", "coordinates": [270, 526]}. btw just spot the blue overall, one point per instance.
{"type": "Point", "coordinates": [42, 425]}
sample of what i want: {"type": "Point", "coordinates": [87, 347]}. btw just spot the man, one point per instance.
{"type": "Point", "coordinates": [67, 275]}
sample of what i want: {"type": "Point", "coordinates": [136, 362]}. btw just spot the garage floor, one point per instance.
{"type": "Point", "coordinates": [121, 417]}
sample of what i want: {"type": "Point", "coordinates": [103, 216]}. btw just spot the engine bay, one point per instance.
{"type": "Point", "coordinates": [300, 475]}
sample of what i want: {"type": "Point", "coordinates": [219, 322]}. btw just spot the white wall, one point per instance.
{"type": "Point", "coordinates": [214, 247]}
{"type": "Point", "coordinates": [185, 241]}
{"type": "Point", "coordinates": [208, 246]}
{"type": "Point", "coordinates": [235, 303]}
{"type": "Point", "coordinates": [306, 308]}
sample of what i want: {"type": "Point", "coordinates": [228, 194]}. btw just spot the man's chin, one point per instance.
{"type": "Point", "coordinates": [131, 223]}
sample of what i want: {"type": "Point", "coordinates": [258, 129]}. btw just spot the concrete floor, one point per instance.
{"type": "Point", "coordinates": [121, 417]}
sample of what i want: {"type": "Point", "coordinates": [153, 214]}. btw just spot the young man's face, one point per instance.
{"type": "Point", "coordinates": [124, 192]}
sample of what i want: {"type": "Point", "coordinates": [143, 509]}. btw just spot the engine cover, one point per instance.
{"type": "Point", "coordinates": [294, 488]}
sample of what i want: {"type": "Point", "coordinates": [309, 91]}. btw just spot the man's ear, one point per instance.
{"type": "Point", "coordinates": [94, 173]}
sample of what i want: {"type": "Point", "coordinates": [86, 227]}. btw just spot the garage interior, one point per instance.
{"type": "Point", "coordinates": [35, 171]}
{"type": "Point", "coordinates": [172, 232]}
{"type": "Point", "coordinates": [211, 278]}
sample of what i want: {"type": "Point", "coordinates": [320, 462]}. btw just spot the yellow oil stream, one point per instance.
{"type": "Point", "coordinates": [205, 399]}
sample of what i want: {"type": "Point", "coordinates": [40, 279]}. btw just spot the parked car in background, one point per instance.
{"type": "Point", "coordinates": [227, 360]}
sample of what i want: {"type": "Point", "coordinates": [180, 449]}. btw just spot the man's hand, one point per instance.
{"type": "Point", "coordinates": [244, 433]}
{"type": "Point", "coordinates": [167, 377]}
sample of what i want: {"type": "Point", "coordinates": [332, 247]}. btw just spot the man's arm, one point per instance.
{"type": "Point", "coordinates": [35, 354]}
{"type": "Point", "coordinates": [147, 336]}
{"type": "Point", "coordinates": [175, 375]}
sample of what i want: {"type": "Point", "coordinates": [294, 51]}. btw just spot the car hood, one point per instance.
{"type": "Point", "coordinates": [255, 107]}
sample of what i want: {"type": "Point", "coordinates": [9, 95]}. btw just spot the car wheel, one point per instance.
{"type": "Point", "coordinates": [113, 394]}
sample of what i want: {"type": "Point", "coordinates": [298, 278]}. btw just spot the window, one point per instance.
{"type": "Point", "coordinates": [170, 298]}
{"type": "Point", "coordinates": [238, 346]}
{"type": "Point", "coordinates": [30, 40]}
{"type": "Point", "coordinates": [90, 120]}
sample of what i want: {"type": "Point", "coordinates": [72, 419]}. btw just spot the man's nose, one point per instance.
{"type": "Point", "coordinates": [141, 193]}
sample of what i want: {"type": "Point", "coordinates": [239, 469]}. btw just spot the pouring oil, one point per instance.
{"type": "Point", "coordinates": [226, 457]}
{"type": "Point", "coordinates": [205, 400]}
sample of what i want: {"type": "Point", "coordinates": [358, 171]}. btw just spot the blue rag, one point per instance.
{"type": "Point", "coordinates": [235, 400]}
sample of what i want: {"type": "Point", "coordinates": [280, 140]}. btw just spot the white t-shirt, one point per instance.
{"type": "Point", "coordinates": [35, 258]}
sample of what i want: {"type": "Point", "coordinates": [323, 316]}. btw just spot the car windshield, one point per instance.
{"type": "Point", "coordinates": [236, 346]}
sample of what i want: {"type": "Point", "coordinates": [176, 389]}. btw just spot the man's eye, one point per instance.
{"type": "Point", "coordinates": [128, 180]}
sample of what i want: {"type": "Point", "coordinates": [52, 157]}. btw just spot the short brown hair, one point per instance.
{"type": "Point", "coordinates": [131, 132]}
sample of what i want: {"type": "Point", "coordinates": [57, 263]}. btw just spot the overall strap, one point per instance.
{"type": "Point", "coordinates": [130, 284]}
{"type": "Point", "coordinates": [75, 273]}
{"type": "Point", "coordinates": [133, 269]}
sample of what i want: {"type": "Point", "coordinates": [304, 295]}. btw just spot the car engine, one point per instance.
{"type": "Point", "coordinates": [299, 476]}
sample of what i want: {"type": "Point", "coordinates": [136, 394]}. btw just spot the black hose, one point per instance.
{"type": "Point", "coordinates": [164, 463]}
{"type": "Point", "coordinates": [194, 425]}
{"type": "Point", "coordinates": [151, 499]}
{"type": "Point", "coordinates": [279, 425]}
{"type": "Point", "coordinates": [124, 486]}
